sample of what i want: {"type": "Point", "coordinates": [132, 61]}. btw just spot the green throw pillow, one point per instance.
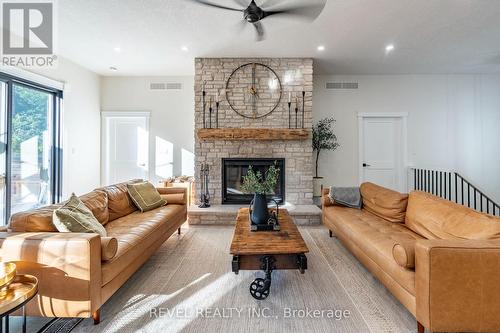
{"type": "Point", "coordinates": [145, 196]}
{"type": "Point", "coordinates": [74, 216]}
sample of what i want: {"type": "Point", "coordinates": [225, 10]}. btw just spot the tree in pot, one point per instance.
{"type": "Point", "coordinates": [323, 139]}
{"type": "Point", "coordinates": [254, 182]}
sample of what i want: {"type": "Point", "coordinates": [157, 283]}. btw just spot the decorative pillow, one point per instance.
{"type": "Point", "coordinates": [74, 216]}
{"type": "Point", "coordinates": [145, 196]}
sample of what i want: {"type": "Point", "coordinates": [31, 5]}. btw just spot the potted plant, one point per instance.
{"type": "Point", "coordinates": [323, 139]}
{"type": "Point", "coordinates": [254, 182]}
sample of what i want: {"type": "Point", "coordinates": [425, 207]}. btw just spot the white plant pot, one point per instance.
{"type": "Point", "coordinates": [317, 183]}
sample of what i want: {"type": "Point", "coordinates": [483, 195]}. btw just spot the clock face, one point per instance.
{"type": "Point", "coordinates": [253, 90]}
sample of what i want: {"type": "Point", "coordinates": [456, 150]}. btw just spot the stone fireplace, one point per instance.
{"type": "Point", "coordinates": [296, 76]}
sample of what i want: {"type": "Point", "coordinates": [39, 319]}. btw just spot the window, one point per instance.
{"type": "Point", "coordinates": [30, 146]}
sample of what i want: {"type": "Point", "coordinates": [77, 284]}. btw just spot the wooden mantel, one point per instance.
{"type": "Point", "coordinates": [207, 134]}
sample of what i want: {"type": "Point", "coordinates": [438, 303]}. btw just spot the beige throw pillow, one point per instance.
{"type": "Point", "coordinates": [74, 216]}
{"type": "Point", "coordinates": [145, 196]}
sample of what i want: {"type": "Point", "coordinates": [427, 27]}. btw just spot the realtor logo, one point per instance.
{"type": "Point", "coordinates": [28, 33]}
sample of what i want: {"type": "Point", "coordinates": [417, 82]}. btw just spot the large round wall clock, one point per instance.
{"type": "Point", "coordinates": [253, 90]}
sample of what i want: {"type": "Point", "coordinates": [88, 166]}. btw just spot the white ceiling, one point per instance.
{"type": "Point", "coordinates": [430, 36]}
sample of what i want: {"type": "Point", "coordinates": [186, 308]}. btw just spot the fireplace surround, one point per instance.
{"type": "Point", "coordinates": [233, 170]}
{"type": "Point", "coordinates": [267, 137]}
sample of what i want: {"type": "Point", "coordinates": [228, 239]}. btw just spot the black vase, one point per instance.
{"type": "Point", "coordinates": [260, 214]}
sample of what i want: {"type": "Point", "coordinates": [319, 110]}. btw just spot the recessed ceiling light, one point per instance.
{"type": "Point", "coordinates": [321, 48]}
{"type": "Point", "coordinates": [184, 48]}
{"type": "Point", "coordinates": [117, 49]}
{"type": "Point", "coordinates": [113, 68]}
{"type": "Point", "coordinates": [389, 48]}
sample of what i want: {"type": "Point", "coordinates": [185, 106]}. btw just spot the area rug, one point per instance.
{"type": "Point", "coordinates": [188, 286]}
{"type": "Point", "coordinates": [60, 325]}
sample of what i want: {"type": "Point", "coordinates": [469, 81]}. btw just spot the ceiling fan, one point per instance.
{"type": "Point", "coordinates": [254, 14]}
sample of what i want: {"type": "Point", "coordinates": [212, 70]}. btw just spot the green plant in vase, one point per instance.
{"type": "Point", "coordinates": [258, 184]}
{"type": "Point", "coordinates": [323, 139]}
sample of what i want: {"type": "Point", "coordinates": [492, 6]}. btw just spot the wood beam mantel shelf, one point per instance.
{"type": "Point", "coordinates": [207, 134]}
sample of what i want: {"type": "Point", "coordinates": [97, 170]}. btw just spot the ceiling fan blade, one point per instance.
{"type": "Point", "coordinates": [270, 3]}
{"type": "Point", "coordinates": [211, 4]}
{"type": "Point", "coordinates": [306, 12]}
{"type": "Point", "coordinates": [259, 29]}
{"type": "Point", "coordinates": [243, 3]}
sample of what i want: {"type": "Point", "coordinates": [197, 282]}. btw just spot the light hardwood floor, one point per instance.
{"type": "Point", "coordinates": [192, 273]}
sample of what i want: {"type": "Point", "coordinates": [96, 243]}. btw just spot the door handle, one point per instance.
{"type": "Point", "coordinates": [366, 165]}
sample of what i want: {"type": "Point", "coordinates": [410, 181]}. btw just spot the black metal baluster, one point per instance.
{"type": "Point", "coordinates": [432, 181]}
{"type": "Point", "coordinates": [456, 188]}
{"type": "Point", "coordinates": [428, 181]}
{"type": "Point", "coordinates": [441, 184]}
{"type": "Point", "coordinates": [487, 206]}
{"type": "Point", "coordinates": [414, 179]}
{"type": "Point", "coordinates": [445, 187]}
{"type": "Point", "coordinates": [468, 194]}
{"type": "Point", "coordinates": [449, 186]}
{"type": "Point", "coordinates": [475, 197]}
{"type": "Point", "coordinates": [462, 190]}
{"type": "Point", "coordinates": [481, 199]}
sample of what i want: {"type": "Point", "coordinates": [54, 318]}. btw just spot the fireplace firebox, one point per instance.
{"type": "Point", "coordinates": [233, 170]}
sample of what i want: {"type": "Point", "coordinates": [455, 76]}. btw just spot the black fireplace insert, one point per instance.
{"type": "Point", "coordinates": [233, 170]}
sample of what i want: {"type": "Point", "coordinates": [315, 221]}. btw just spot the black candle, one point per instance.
{"type": "Point", "coordinates": [203, 93]}
{"type": "Point", "coordinates": [303, 106]}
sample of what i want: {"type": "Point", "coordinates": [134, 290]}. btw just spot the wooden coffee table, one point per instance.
{"type": "Point", "coordinates": [267, 250]}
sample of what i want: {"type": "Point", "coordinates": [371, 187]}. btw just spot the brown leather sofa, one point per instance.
{"type": "Point", "coordinates": [79, 272]}
{"type": "Point", "coordinates": [439, 259]}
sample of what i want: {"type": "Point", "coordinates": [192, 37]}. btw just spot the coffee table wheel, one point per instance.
{"type": "Point", "coordinates": [259, 289]}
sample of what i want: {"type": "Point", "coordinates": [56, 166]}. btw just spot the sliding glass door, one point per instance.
{"type": "Point", "coordinates": [31, 163]}
{"type": "Point", "coordinates": [3, 152]}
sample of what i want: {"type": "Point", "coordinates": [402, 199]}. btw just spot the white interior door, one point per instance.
{"type": "Point", "coordinates": [382, 151]}
{"type": "Point", "coordinates": [125, 147]}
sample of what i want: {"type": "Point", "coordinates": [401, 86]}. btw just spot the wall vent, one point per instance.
{"type": "Point", "coordinates": [342, 85]}
{"type": "Point", "coordinates": [174, 86]}
{"type": "Point", "coordinates": [165, 86]}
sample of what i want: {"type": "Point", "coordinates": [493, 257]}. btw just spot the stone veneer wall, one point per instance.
{"type": "Point", "coordinates": [296, 75]}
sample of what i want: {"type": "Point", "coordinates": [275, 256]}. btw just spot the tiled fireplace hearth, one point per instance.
{"type": "Point", "coordinates": [263, 138]}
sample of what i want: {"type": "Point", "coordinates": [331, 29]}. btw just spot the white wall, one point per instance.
{"type": "Point", "coordinates": [81, 126]}
{"type": "Point", "coordinates": [451, 122]}
{"type": "Point", "coordinates": [477, 126]}
{"type": "Point", "coordinates": [172, 116]}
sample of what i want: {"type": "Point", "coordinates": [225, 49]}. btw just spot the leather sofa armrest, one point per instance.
{"type": "Point", "coordinates": [174, 195]}
{"type": "Point", "coordinates": [325, 199]}
{"type": "Point", "coordinates": [109, 247]}
{"type": "Point", "coordinates": [67, 265]}
{"type": "Point", "coordinates": [457, 287]}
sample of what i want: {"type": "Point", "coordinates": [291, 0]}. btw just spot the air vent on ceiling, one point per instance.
{"type": "Point", "coordinates": [165, 86]}
{"type": "Point", "coordinates": [342, 85]}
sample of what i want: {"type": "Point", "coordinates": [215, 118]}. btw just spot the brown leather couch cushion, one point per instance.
{"type": "Point", "coordinates": [109, 247]}
{"type": "Point", "coordinates": [385, 203]}
{"type": "Point", "coordinates": [40, 219]}
{"type": "Point", "coordinates": [436, 218]}
{"type": "Point", "coordinates": [97, 202]}
{"type": "Point", "coordinates": [119, 202]}
{"type": "Point", "coordinates": [375, 237]}
{"type": "Point", "coordinates": [135, 233]}
{"type": "Point", "coordinates": [35, 220]}
{"type": "Point", "coordinates": [404, 253]}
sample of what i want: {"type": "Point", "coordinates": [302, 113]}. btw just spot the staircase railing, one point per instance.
{"type": "Point", "coordinates": [452, 186]}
